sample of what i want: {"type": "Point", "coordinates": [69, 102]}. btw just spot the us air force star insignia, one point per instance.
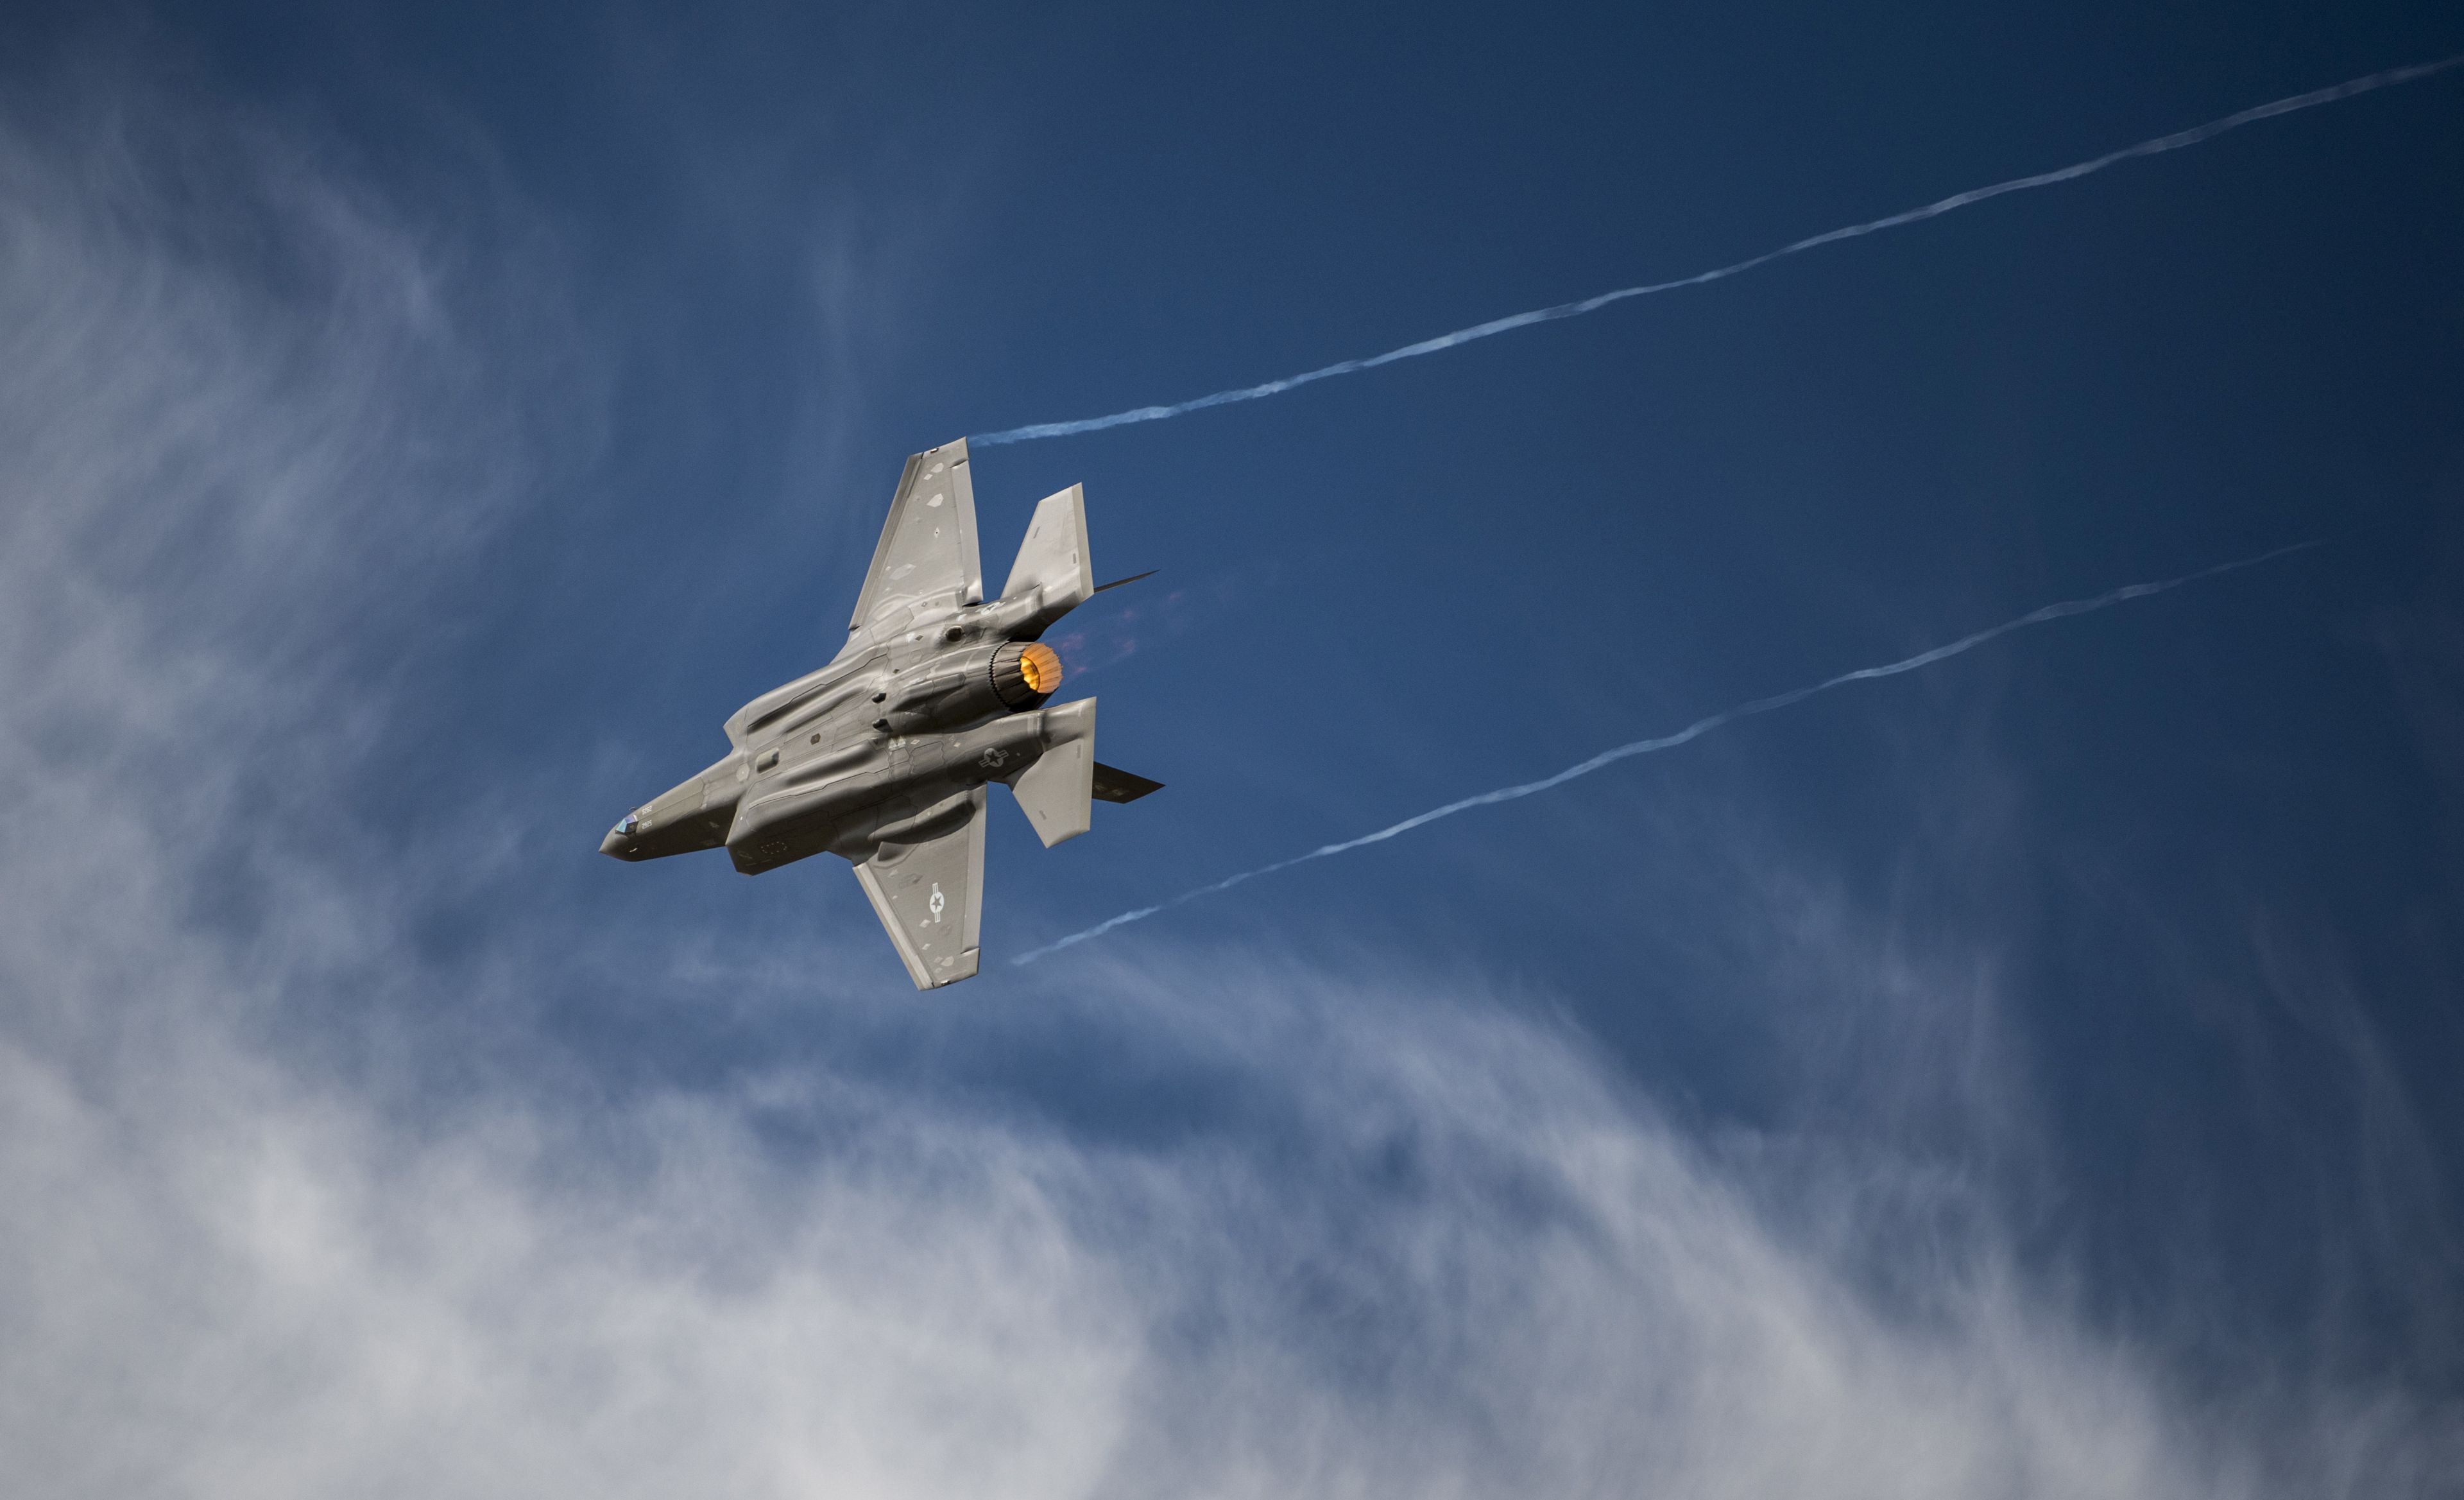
{"type": "Point", "coordinates": [937, 902]}
{"type": "Point", "coordinates": [992, 758]}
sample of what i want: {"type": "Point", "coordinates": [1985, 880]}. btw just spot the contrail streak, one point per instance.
{"type": "Point", "coordinates": [1592, 304]}
{"type": "Point", "coordinates": [1691, 732]}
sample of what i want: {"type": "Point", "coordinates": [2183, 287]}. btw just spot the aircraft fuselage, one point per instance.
{"type": "Point", "coordinates": [914, 711]}
{"type": "Point", "coordinates": [882, 756]}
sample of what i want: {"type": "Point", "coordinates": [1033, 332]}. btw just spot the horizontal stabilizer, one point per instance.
{"type": "Point", "coordinates": [1131, 578]}
{"type": "Point", "coordinates": [1115, 785]}
{"type": "Point", "coordinates": [1057, 791]}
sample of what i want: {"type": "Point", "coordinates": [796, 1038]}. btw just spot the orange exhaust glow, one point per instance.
{"type": "Point", "coordinates": [1041, 665]}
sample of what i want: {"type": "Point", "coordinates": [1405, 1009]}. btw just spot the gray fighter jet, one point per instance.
{"type": "Point", "coordinates": [883, 757]}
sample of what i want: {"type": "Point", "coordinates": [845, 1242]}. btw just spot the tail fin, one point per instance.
{"type": "Point", "coordinates": [1054, 558]}
{"type": "Point", "coordinates": [1057, 791]}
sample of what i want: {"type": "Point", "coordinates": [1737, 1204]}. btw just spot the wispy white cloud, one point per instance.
{"type": "Point", "coordinates": [1439, 1248]}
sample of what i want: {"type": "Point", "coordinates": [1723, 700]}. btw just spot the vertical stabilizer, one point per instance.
{"type": "Point", "coordinates": [1054, 558]}
{"type": "Point", "coordinates": [1057, 791]}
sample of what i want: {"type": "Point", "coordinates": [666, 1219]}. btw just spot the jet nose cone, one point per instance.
{"type": "Point", "coordinates": [619, 842]}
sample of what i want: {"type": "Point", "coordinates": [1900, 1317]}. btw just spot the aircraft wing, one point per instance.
{"type": "Point", "coordinates": [931, 895]}
{"type": "Point", "coordinates": [928, 544]}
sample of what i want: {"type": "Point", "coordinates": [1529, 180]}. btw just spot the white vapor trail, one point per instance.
{"type": "Point", "coordinates": [1592, 304]}
{"type": "Point", "coordinates": [1691, 732]}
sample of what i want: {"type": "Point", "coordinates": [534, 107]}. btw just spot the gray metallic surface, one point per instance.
{"type": "Point", "coordinates": [930, 892]}
{"type": "Point", "coordinates": [883, 756]}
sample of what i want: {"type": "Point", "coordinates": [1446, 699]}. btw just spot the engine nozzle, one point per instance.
{"type": "Point", "coordinates": [1026, 672]}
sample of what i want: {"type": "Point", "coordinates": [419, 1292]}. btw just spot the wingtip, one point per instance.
{"type": "Point", "coordinates": [966, 966]}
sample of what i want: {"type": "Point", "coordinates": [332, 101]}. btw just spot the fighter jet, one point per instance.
{"type": "Point", "coordinates": [884, 757]}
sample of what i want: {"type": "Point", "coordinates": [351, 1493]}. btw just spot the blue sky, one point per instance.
{"type": "Point", "coordinates": [2032, 1075]}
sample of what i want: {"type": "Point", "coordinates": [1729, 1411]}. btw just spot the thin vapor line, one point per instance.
{"type": "Point", "coordinates": [1592, 304]}
{"type": "Point", "coordinates": [1691, 732]}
